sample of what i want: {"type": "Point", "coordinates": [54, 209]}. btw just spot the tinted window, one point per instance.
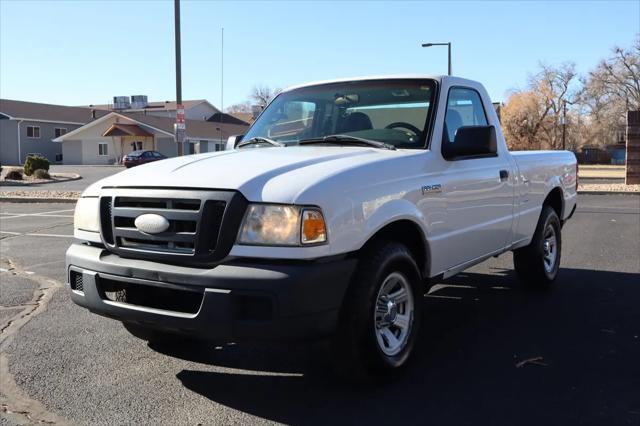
{"type": "Point", "coordinates": [464, 108]}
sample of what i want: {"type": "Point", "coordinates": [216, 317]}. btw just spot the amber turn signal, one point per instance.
{"type": "Point", "coordinates": [314, 229]}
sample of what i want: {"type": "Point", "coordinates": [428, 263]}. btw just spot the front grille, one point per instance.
{"type": "Point", "coordinates": [183, 216]}
{"type": "Point", "coordinates": [195, 235]}
{"type": "Point", "coordinates": [105, 219]}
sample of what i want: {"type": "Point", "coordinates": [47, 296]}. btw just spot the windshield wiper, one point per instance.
{"type": "Point", "coordinates": [259, 140]}
{"type": "Point", "coordinates": [347, 140]}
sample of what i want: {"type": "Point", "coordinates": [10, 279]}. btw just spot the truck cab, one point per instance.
{"type": "Point", "coordinates": [326, 220]}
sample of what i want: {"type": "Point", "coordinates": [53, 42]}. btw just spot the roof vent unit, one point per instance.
{"type": "Point", "coordinates": [121, 102]}
{"type": "Point", "coordinates": [139, 101]}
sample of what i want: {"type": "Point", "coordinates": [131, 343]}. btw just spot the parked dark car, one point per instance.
{"type": "Point", "coordinates": [136, 158]}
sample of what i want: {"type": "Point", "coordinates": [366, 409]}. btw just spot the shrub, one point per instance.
{"type": "Point", "coordinates": [33, 163]}
{"type": "Point", "coordinates": [14, 174]}
{"type": "Point", "coordinates": [41, 174]}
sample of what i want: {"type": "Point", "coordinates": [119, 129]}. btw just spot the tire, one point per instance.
{"type": "Point", "coordinates": [538, 263]}
{"type": "Point", "coordinates": [155, 336]}
{"type": "Point", "coordinates": [363, 349]}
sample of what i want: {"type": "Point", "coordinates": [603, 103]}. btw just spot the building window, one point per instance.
{"type": "Point", "coordinates": [219, 147]}
{"type": "Point", "coordinates": [103, 149]}
{"type": "Point", "coordinates": [622, 137]}
{"type": "Point", "coordinates": [59, 131]}
{"type": "Point", "coordinates": [33, 132]}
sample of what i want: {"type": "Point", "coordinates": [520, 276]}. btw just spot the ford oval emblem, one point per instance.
{"type": "Point", "coordinates": [151, 223]}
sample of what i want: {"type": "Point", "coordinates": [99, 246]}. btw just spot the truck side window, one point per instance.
{"type": "Point", "coordinates": [464, 108]}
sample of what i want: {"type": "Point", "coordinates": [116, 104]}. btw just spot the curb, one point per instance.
{"type": "Point", "coordinates": [37, 200]}
{"type": "Point", "coordinates": [602, 178]}
{"type": "Point", "coordinates": [609, 192]}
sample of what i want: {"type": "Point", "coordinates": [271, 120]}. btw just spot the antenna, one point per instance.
{"type": "Point", "coordinates": [221, 80]}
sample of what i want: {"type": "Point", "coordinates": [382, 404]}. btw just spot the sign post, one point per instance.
{"type": "Point", "coordinates": [180, 126]}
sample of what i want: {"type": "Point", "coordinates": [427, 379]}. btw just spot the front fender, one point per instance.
{"type": "Point", "coordinates": [391, 211]}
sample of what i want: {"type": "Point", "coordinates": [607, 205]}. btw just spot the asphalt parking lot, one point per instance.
{"type": "Point", "coordinates": [59, 363]}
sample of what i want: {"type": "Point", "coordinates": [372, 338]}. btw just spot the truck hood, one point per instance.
{"type": "Point", "coordinates": [260, 174]}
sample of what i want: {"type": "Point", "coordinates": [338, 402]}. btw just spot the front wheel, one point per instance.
{"type": "Point", "coordinates": [381, 315]}
{"type": "Point", "coordinates": [538, 263]}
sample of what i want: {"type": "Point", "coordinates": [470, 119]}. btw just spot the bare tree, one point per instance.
{"type": "Point", "coordinates": [533, 118]}
{"type": "Point", "coordinates": [262, 95]}
{"type": "Point", "coordinates": [610, 90]}
{"type": "Point", "coordinates": [241, 107]}
{"type": "Point", "coordinates": [619, 75]}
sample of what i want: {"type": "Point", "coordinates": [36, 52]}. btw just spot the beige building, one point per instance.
{"type": "Point", "coordinates": [107, 139]}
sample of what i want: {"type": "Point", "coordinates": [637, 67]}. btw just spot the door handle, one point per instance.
{"type": "Point", "coordinates": [504, 175]}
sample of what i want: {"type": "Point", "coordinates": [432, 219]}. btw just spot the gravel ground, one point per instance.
{"type": "Point", "coordinates": [608, 187]}
{"type": "Point", "coordinates": [41, 194]}
{"type": "Point", "coordinates": [30, 180]}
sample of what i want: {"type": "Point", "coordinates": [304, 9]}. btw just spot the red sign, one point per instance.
{"type": "Point", "coordinates": [180, 120]}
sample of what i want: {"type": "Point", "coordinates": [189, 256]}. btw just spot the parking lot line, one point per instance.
{"type": "Point", "coordinates": [31, 234]}
{"type": "Point", "coordinates": [53, 213]}
{"type": "Point", "coordinates": [38, 215]}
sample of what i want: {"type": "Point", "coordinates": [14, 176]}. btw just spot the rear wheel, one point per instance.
{"type": "Point", "coordinates": [380, 316]}
{"type": "Point", "coordinates": [538, 263]}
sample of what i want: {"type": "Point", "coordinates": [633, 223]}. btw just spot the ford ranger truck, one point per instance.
{"type": "Point", "coordinates": [325, 220]}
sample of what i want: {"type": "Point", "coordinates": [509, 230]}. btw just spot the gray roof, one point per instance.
{"type": "Point", "coordinates": [196, 129]}
{"type": "Point", "coordinates": [154, 106]}
{"type": "Point", "coordinates": [47, 112]}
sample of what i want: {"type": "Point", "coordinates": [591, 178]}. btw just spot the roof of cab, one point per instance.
{"type": "Point", "coordinates": [439, 78]}
{"type": "Point", "coordinates": [372, 77]}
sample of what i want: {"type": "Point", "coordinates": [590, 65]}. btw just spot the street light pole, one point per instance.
{"type": "Point", "coordinates": [178, 71]}
{"type": "Point", "coordinates": [448, 44]}
{"type": "Point", "coordinates": [564, 122]}
{"type": "Point", "coordinates": [564, 125]}
{"type": "Point", "coordinates": [449, 62]}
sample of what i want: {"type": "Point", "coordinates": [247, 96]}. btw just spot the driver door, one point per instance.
{"type": "Point", "coordinates": [479, 195]}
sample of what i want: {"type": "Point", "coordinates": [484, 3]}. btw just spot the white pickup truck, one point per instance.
{"type": "Point", "coordinates": [327, 219]}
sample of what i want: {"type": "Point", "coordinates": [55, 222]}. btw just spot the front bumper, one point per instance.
{"type": "Point", "coordinates": [239, 300]}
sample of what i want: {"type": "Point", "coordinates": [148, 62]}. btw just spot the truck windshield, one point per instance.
{"type": "Point", "coordinates": [395, 112]}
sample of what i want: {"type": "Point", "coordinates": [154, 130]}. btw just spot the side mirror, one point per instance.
{"type": "Point", "coordinates": [471, 141]}
{"type": "Point", "coordinates": [233, 141]}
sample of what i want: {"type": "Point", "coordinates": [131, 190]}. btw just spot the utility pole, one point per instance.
{"type": "Point", "coordinates": [564, 122]}
{"type": "Point", "coordinates": [180, 129]}
{"type": "Point", "coordinates": [564, 125]}
{"type": "Point", "coordinates": [448, 44]}
{"type": "Point", "coordinates": [221, 80]}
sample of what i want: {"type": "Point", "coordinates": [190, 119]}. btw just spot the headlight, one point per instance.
{"type": "Point", "coordinates": [87, 215]}
{"type": "Point", "coordinates": [282, 225]}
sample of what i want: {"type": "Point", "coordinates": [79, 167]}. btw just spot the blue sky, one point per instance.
{"type": "Point", "coordinates": [81, 52]}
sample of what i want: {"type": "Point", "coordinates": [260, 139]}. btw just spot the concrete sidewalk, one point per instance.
{"type": "Point", "coordinates": [602, 171]}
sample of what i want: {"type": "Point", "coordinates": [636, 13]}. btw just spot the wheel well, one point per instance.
{"type": "Point", "coordinates": [408, 233]}
{"type": "Point", "coordinates": [555, 201]}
